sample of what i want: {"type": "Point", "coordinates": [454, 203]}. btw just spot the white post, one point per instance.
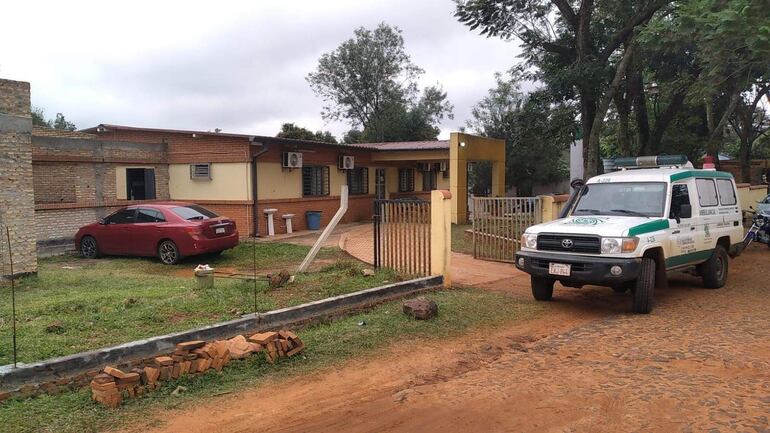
{"type": "Point", "coordinates": [327, 230]}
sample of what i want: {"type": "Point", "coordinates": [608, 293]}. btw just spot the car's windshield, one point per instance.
{"type": "Point", "coordinates": [193, 212]}
{"type": "Point", "coordinates": [622, 198]}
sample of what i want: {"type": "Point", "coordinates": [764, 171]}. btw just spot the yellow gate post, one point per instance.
{"type": "Point", "coordinates": [441, 234]}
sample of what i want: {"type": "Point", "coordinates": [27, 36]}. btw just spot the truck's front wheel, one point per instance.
{"type": "Point", "coordinates": [645, 287]}
{"type": "Point", "coordinates": [542, 288]}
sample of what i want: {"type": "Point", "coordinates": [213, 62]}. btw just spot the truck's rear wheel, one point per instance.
{"type": "Point", "coordinates": [714, 270]}
{"type": "Point", "coordinates": [542, 288]}
{"type": "Point", "coordinates": [644, 289]}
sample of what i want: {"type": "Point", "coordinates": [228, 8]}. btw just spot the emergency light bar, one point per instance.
{"type": "Point", "coordinates": [614, 164]}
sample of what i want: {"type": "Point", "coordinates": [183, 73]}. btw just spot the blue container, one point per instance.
{"type": "Point", "coordinates": [313, 219]}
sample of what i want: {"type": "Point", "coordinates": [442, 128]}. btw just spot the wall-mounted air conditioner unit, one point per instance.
{"type": "Point", "coordinates": [292, 160]}
{"type": "Point", "coordinates": [346, 162]}
{"type": "Point", "coordinates": [200, 171]}
{"type": "Point", "coordinates": [443, 166]}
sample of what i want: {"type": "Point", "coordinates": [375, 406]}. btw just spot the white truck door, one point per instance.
{"type": "Point", "coordinates": [708, 218]}
{"type": "Point", "coordinates": [682, 233]}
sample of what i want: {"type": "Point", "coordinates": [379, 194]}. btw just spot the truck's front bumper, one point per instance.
{"type": "Point", "coordinates": [583, 269]}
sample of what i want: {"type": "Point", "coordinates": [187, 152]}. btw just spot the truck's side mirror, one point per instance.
{"type": "Point", "coordinates": [685, 211]}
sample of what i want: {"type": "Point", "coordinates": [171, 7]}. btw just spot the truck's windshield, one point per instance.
{"type": "Point", "coordinates": [622, 198]}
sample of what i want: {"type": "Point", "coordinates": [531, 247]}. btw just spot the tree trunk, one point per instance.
{"type": "Point", "coordinates": [603, 106]}
{"type": "Point", "coordinates": [744, 155]}
{"type": "Point", "coordinates": [716, 130]}
{"type": "Point", "coordinates": [622, 104]}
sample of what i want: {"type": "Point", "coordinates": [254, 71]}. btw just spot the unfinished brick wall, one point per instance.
{"type": "Point", "coordinates": [17, 209]}
{"type": "Point", "coordinates": [76, 184]}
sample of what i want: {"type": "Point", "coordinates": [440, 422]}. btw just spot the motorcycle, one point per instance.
{"type": "Point", "coordinates": [760, 228]}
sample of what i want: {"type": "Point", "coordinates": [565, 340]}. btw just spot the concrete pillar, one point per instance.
{"type": "Point", "coordinates": [17, 201]}
{"type": "Point", "coordinates": [441, 234]}
{"type": "Point", "coordinates": [548, 209]}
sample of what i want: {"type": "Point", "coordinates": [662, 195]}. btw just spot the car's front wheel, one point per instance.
{"type": "Point", "coordinates": [542, 288]}
{"type": "Point", "coordinates": [168, 253]}
{"type": "Point", "coordinates": [89, 248]}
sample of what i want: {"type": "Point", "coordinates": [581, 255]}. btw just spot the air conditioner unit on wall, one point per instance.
{"type": "Point", "coordinates": [292, 160]}
{"type": "Point", "coordinates": [346, 162]}
{"type": "Point", "coordinates": [443, 166]}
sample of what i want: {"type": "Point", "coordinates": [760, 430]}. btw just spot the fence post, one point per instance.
{"type": "Point", "coordinates": [548, 210]}
{"type": "Point", "coordinates": [441, 234]}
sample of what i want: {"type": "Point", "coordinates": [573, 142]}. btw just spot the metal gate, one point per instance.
{"type": "Point", "coordinates": [402, 236]}
{"type": "Point", "coordinates": [498, 224]}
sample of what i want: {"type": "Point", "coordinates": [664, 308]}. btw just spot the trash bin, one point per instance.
{"type": "Point", "coordinates": [313, 219]}
{"type": "Point", "coordinates": [204, 277]}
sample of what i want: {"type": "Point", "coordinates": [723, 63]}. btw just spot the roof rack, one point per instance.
{"type": "Point", "coordinates": [669, 161]}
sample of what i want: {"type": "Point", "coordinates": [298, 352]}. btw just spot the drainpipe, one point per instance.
{"type": "Point", "coordinates": [254, 184]}
{"type": "Point", "coordinates": [577, 187]}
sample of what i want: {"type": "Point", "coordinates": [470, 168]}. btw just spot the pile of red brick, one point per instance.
{"type": "Point", "coordinates": [190, 357]}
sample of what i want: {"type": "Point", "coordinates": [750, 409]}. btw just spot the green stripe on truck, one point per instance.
{"type": "Point", "coordinates": [700, 173]}
{"type": "Point", "coordinates": [651, 226]}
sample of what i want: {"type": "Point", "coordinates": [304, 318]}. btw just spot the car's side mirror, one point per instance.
{"type": "Point", "coordinates": [685, 211]}
{"type": "Point", "coordinates": [102, 222]}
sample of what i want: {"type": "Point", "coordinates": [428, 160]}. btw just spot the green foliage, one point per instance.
{"type": "Point", "coordinates": [537, 131]}
{"type": "Point", "coordinates": [60, 122]}
{"type": "Point", "coordinates": [290, 130]}
{"type": "Point", "coordinates": [371, 82]}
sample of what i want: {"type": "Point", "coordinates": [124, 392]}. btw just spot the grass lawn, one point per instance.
{"type": "Point", "coordinates": [330, 344]}
{"type": "Point", "coordinates": [462, 242]}
{"type": "Point", "coordinates": [108, 301]}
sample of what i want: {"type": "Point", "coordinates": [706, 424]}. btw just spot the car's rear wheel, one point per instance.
{"type": "Point", "coordinates": [542, 288]}
{"type": "Point", "coordinates": [714, 270]}
{"type": "Point", "coordinates": [89, 248]}
{"type": "Point", "coordinates": [168, 253]}
{"type": "Point", "coordinates": [644, 289]}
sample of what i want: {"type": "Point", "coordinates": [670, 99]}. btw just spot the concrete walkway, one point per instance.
{"type": "Point", "coordinates": [358, 241]}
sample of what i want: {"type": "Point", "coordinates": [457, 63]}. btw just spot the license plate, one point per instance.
{"type": "Point", "coordinates": [219, 230]}
{"type": "Point", "coordinates": [559, 269]}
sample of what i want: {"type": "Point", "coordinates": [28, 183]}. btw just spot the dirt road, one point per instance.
{"type": "Point", "coordinates": [699, 363]}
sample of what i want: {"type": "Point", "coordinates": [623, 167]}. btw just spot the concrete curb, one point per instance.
{"type": "Point", "coordinates": [79, 363]}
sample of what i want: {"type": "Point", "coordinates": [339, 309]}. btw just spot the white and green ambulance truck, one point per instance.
{"type": "Point", "coordinates": [628, 228]}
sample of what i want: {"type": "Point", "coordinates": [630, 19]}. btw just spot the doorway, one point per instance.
{"type": "Point", "coordinates": [379, 184]}
{"type": "Point", "coordinates": [140, 183]}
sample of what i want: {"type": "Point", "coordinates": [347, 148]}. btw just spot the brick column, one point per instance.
{"type": "Point", "coordinates": [17, 203]}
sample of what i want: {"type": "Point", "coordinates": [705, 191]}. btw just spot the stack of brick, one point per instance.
{"type": "Point", "coordinates": [190, 357]}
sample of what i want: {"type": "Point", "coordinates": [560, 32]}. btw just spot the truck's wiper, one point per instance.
{"type": "Point", "coordinates": [630, 212]}
{"type": "Point", "coordinates": [588, 211]}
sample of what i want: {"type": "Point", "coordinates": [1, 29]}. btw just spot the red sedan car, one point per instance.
{"type": "Point", "coordinates": [169, 231]}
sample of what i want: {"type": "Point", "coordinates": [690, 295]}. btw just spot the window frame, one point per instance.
{"type": "Point", "coordinates": [405, 179]}
{"type": "Point", "coordinates": [325, 180]}
{"type": "Point", "coordinates": [358, 181]}
{"type": "Point", "coordinates": [153, 192]}
{"type": "Point", "coordinates": [432, 177]}
{"type": "Point", "coordinates": [700, 197]}
{"type": "Point", "coordinates": [686, 186]}
{"type": "Point", "coordinates": [158, 213]}
{"type": "Point", "coordinates": [107, 219]}
{"type": "Point", "coordinates": [193, 171]}
{"type": "Point", "coordinates": [732, 189]}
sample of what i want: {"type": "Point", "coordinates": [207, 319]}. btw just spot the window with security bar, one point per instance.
{"type": "Point", "coordinates": [200, 171]}
{"type": "Point", "coordinates": [315, 181]}
{"type": "Point", "coordinates": [358, 181]}
{"type": "Point", "coordinates": [405, 179]}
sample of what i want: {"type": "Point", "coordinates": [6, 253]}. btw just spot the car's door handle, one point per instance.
{"type": "Point", "coordinates": [676, 232]}
{"type": "Point", "coordinates": [692, 228]}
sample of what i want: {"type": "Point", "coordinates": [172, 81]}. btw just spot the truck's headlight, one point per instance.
{"type": "Point", "coordinates": [529, 240]}
{"type": "Point", "coordinates": [619, 245]}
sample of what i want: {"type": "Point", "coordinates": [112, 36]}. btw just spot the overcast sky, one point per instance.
{"type": "Point", "coordinates": [239, 66]}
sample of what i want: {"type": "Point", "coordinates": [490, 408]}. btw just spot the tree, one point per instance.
{"type": "Point", "coordinates": [573, 51]}
{"type": "Point", "coordinates": [60, 122]}
{"type": "Point", "coordinates": [537, 131]}
{"type": "Point", "coordinates": [750, 121]}
{"type": "Point", "coordinates": [371, 82]}
{"type": "Point", "coordinates": [290, 130]}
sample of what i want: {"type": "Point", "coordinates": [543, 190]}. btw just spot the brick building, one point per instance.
{"type": "Point", "coordinates": [16, 190]}
{"type": "Point", "coordinates": [241, 175]}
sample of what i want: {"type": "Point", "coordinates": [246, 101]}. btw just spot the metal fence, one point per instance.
{"type": "Point", "coordinates": [402, 236]}
{"type": "Point", "coordinates": [498, 224]}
